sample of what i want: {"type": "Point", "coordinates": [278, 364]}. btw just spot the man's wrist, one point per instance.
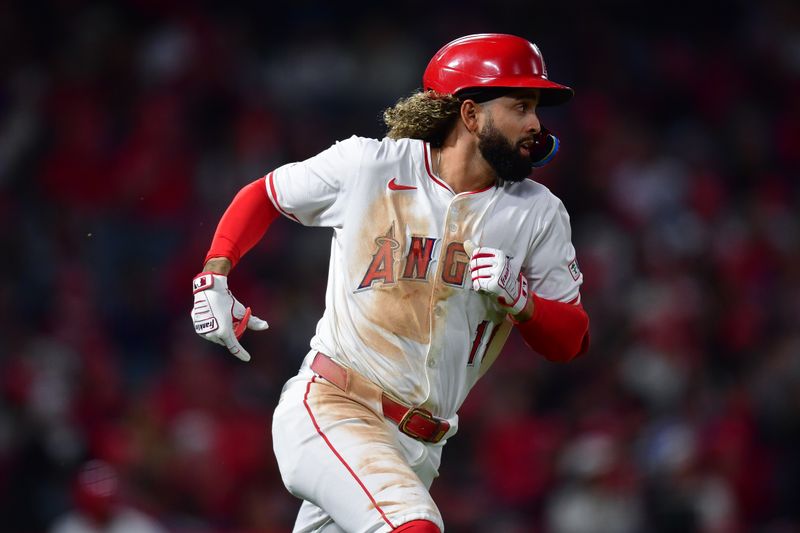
{"type": "Point", "coordinates": [218, 265]}
{"type": "Point", "coordinates": [527, 311]}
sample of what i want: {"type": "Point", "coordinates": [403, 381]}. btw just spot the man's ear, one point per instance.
{"type": "Point", "coordinates": [469, 115]}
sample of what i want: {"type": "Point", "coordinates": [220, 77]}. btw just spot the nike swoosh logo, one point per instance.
{"type": "Point", "coordinates": [394, 186]}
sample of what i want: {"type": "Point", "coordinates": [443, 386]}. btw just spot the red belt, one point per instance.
{"type": "Point", "coordinates": [415, 422]}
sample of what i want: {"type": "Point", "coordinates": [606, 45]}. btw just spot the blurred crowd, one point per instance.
{"type": "Point", "coordinates": [125, 130]}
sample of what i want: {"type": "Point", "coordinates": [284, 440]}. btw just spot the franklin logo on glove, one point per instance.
{"type": "Point", "coordinates": [205, 326]}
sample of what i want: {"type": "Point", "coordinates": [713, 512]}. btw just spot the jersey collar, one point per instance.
{"type": "Point", "coordinates": [429, 169]}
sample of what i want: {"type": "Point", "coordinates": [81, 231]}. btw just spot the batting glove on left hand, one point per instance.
{"type": "Point", "coordinates": [492, 273]}
{"type": "Point", "coordinates": [219, 317]}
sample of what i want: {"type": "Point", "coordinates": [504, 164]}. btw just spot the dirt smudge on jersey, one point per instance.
{"type": "Point", "coordinates": [401, 307]}
{"type": "Point", "coordinates": [378, 342]}
{"type": "Point", "coordinates": [389, 210]}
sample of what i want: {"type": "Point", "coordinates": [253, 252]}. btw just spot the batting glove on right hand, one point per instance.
{"type": "Point", "coordinates": [492, 273]}
{"type": "Point", "coordinates": [219, 317]}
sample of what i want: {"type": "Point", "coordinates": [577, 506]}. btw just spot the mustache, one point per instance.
{"type": "Point", "coordinates": [536, 139]}
{"type": "Point", "coordinates": [531, 140]}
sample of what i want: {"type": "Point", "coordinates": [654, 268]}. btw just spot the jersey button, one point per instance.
{"type": "Point", "coordinates": [431, 363]}
{"type": "Point", "coordinates": [439, 310]}
{"type": "Point", "coordinates": [453, 227]}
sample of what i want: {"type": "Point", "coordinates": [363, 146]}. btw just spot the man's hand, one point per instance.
{"type": "Point", "coordinates": [492, 273]}
{"type": "Point", "coordinates": [218, 316]}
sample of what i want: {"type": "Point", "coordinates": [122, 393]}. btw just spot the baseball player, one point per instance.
{"type": "Point", "coordinates": [441, 245]}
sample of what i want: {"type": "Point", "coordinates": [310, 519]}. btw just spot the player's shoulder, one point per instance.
{"type": "Point", "coordinates": [370, 153]}
{"type": "Point", "coordinates": [531, 193]}
{"type": "Point", "coordinates": [385, 146]}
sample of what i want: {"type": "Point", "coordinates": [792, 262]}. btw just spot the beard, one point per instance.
{"type": "Point", "coordinates": [505, 158]}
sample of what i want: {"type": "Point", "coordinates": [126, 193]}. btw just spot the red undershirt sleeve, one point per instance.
{"type": "Point", "coordinates": [557, 330]}
{"type": "Point", "coordinates": [244, 223]}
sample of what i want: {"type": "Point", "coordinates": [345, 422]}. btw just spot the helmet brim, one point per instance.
{"type": "Point", "coordinates": [551, 94]}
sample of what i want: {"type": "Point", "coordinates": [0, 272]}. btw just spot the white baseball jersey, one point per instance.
{"type": "Point", "coordinates": [399, 305]}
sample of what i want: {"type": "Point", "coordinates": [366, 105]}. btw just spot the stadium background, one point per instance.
{"type": "Point", "coordinates": [125, 129]}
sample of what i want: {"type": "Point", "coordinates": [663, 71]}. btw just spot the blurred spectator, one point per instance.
{"type": "Point", "coordinates": [98, 509]}
{"type": "Point", "coordinates": [600, 493]}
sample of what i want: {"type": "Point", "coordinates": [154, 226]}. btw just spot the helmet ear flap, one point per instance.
{"type": "Point", "coordinates": [545, 148]}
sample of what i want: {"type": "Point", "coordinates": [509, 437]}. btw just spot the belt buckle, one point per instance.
{"type": "Point", "coordinates": [427, 415]}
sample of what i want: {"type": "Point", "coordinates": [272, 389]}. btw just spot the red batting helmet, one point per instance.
{"type": "Point", "coordinates": [492, 60]}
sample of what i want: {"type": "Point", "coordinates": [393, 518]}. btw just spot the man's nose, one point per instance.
{"type": "Point", "coordinates": [534, 126]}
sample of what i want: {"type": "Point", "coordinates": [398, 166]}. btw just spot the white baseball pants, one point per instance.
{"type": "Point", "coordinates": [355, 471]}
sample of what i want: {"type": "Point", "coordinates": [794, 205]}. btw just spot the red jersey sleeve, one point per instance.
{"type": "Point", "coordinates": [244, 223]}
{"type": "Point", "coordinates": [557, 330]}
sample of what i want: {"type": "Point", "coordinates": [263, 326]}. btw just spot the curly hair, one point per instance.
{"type": "Point", "coordinates": [424, 115]}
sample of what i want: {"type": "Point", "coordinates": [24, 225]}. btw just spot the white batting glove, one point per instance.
{"type": "Point", "coordinates": [492, 273]}
{"type": "Point", "coordinates": [219, 317]}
